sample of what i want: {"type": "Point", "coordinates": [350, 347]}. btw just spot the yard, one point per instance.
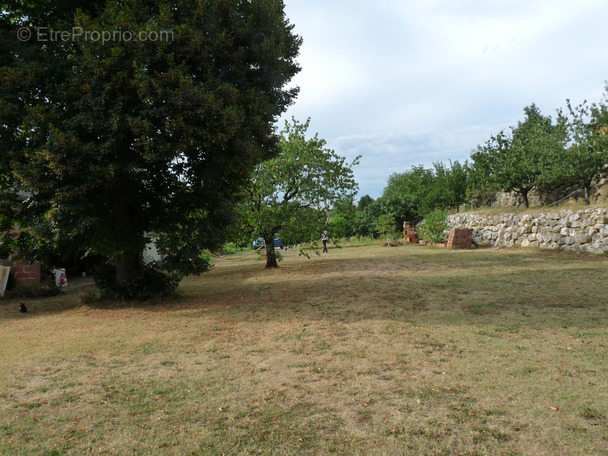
{"type": "Point", "coordinates": [363, 351]}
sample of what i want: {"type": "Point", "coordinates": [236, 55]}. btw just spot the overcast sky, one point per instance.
{"type": "Point", "coordinates": [405, 82]}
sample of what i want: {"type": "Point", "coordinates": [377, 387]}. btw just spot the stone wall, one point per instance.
{"type": "Point", "coordinates": [584, 230]}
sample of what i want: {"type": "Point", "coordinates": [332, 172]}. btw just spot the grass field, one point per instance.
{"type": "Point", "coordinates": [363, 351]}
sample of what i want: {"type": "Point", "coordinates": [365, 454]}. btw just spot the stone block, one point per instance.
{"type": "Point", "coordinates": [595, 248]}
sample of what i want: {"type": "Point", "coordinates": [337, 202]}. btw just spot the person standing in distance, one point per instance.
{"type": "Point", "coordinates": [324, 238]}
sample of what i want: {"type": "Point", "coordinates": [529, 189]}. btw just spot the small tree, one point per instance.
{"type": "Point", "coordinates": [433, 227]}
{"type": "Point", "coordinates": [385, 225]}
{"type": "Point", "coordinates": [290, 194]}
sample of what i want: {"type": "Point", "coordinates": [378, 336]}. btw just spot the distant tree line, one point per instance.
{"type": "Point", "coordinates": [541, 152]}
{"type": "Point", "coordinates": [538, 153]}
{"type": "Point", "coordinates": [408, 196]}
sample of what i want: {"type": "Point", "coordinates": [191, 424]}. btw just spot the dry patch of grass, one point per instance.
{"type": "Point", "coordinates": [365, 350]}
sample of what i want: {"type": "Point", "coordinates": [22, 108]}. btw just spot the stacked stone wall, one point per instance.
{"type": "Point", "coordinates": [585, 230]}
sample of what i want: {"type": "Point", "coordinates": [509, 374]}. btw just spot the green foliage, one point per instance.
{"type": "Point", "coordinates": [341, 227]}
{"type": "Point", "coordinates": [147, 283]}
{"type": "Point", "coordinates": [529, 156]}
{"type": "Point", "coordinates": [587, 155]}
{"type": "Point", "coordinates": [364, 201]}
{"type": "Point", "coordinates": [433, 227]}
{"type": "Point", "coordinates": [540, 153]}
{"type": "Point", "coordinates": [117, 139]}
{"type": "Point", "coordinates": [423, 190]}
{"type": "Point", "coordinates": [401, 208]}
{"type": "Point", "coordinates": [289, 194]}
{"type": "Point", "coordinates": [415, 183]}
{"type": "Point", "coordinates": [230, 248]}
{"type": "Point", "coordinates": [365, 219]}
{"type": "Point", "coordinates": [449, 189]}
{"type": "Point", "coordinates": [342, 219]}
{"type": "Point", "coordinates": [394, 209]}
{"type": "Point", "coordinates": [385, 225]}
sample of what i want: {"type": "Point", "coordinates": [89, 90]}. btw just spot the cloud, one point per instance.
{"type": "Point", "coordinates": [404, 82]}
{"type": "Point", "coordinates": [385, 154]}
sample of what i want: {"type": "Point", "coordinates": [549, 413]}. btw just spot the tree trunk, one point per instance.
{"type": "Point", "coordinates": [271, 257]}
{"type": "Point", "coordinates": [127, 267]}
{"type": "Point", "coordinates": [524, 193]}
{"type": "Point", "coordinates": [588, 193]}
{"type": "Point", "coordinates": [129, 262]}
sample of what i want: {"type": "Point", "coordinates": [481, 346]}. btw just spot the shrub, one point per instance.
{"type": "Point", "coordinates": [149, 282]}
{"type": "Point", "coordinates": [230, 248]}
{"type": "Point", "coordinates": [433, 227]}
{"type": "Point", "coordinates": [385, 225]}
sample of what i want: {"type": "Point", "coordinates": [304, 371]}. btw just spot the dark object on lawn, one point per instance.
{"type": "Point", "coordinates": [22, 307]}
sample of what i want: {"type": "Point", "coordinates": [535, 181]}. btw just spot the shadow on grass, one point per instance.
{"type": "Point", "coordinates": [410, 284]}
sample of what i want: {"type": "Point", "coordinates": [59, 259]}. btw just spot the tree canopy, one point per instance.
{"type": "Point", "coordinates": [526, 157]}
{"type": "Point", "coordinates": [587, 154]}
{"type": "Point", "coordinates": [118, 139]}
{"type": "Point", "coordinates": [441, 187]}
{"type": "Point", "coordinates": [290, 194]}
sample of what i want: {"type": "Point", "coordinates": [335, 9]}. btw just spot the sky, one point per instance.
{"type": "Point", "coordinates": [410, 82]}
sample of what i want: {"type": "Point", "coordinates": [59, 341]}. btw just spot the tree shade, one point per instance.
{"type": "Point", "coordinates": [116, 139]}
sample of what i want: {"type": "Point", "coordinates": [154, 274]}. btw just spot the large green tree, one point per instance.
{"type": "Point", "coordinates": [423, 190]}
{"type": "Point", "coordinates": [291, 194]}
{"type": "Point", "coordinates": [526, 157]}
{"type": "Point", "coordinates": [115, 139]}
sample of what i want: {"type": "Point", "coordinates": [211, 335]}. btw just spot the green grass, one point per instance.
{"type": "Point", "coordinates": [365, 350]}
